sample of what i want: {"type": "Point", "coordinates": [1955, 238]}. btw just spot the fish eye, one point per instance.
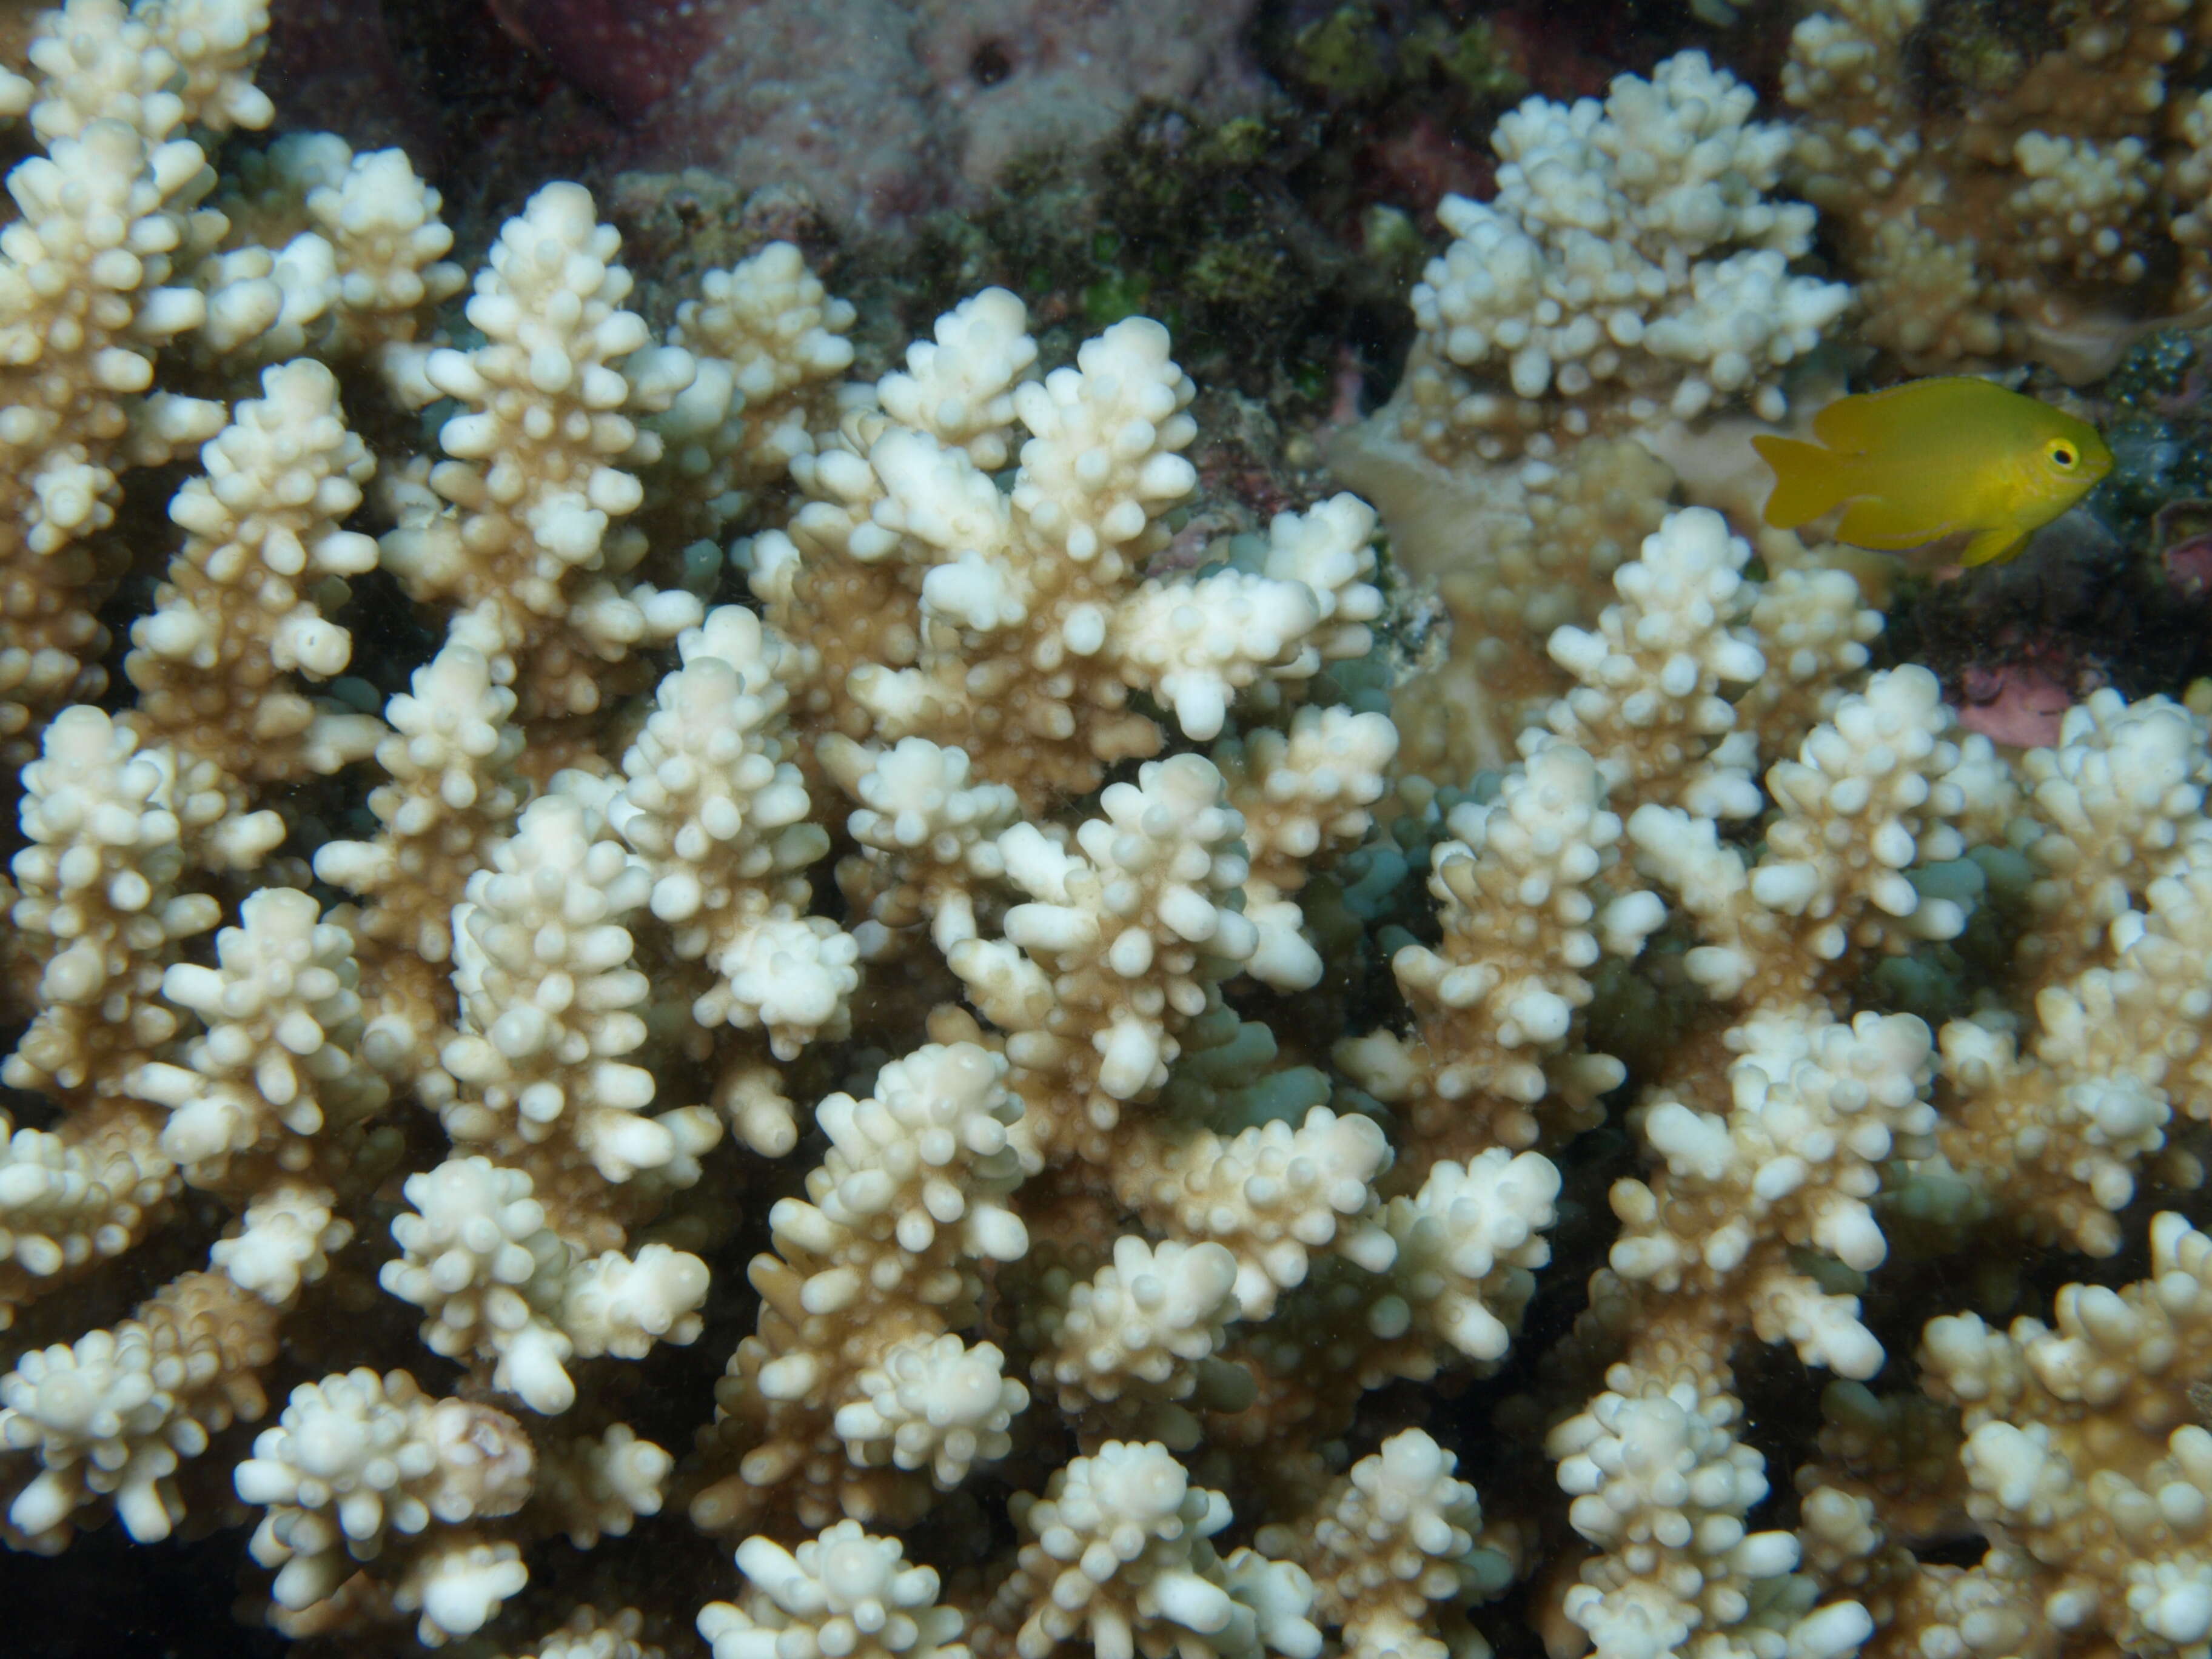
{"type": "Point", "coordinates": [2062, 454]}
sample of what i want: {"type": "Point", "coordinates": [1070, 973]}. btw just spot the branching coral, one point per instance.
{"type": "Point", "coordinates": [404, 1085]}
{"type": "Point", "coordinates": [1995, 185]}
{"type": "Point", "coordinates": [1631, 269]}
{"type": "Point", "coordinates": [1015, 624]}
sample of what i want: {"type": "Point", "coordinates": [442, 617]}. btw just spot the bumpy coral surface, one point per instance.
{"type": "Point", "coordinates": [2005, 192]}
{"type": "Point", "coordinates": [1631, 268]}
{"type": "Point", "coordinates": [621, 852]}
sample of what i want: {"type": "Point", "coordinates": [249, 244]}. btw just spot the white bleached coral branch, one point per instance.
{"type": "Point", "coordinates": [368, 1468]}
{"type": "Point", "coordinates": [1118, 1549]}
{"type": "Point", "coordinates": [1631, 267]}
{"type": "Point", "coordinates": [497, 1282]}
{"type": "Point", "coordinates": [842, 1595]}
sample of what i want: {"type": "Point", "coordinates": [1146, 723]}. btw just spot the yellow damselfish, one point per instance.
{"type": "Point", "coordinates": [1932, 459]}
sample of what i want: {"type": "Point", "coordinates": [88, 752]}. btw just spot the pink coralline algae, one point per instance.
{"type": "Point", "coordinates": [2188, 566]}
{"type": "Point", "coordinates": [630, 54]}
{"type": "Point", "coordinates": [883, 109]}
{"type": "Point", "coordinates": [2024, 706]}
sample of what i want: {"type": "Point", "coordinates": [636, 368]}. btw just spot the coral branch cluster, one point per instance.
{"type": "Point", "coordinates": [811, 873]}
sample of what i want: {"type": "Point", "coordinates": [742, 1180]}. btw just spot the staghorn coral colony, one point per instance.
{"type": "Point", "coordinates": [1098, 1042]}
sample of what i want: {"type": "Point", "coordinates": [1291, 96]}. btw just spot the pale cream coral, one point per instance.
{"type": "Point", "coordinates": [1158, 974]}
{"type": "Point", "coordinates": [1514, 552]}
{"type": "Point", "coordinates": [1125, 934]}
{"type": "Point", "coordinates": [1123, 1347]}
{"type": "Point", "coordinates": [85, 299]}
{"type": "Point", "coordinates": [549, 1001]}
{"type": "Point", "coordinates": [1867, 802]}
{"type": "Point", "coordinates": [721, 820]}
{"type": "Point", "coordinates": [884, 1251]}
{"type": "Point", "coordinates": [932, 1403]}
{"type": "Point", "coordinates": [1117, 1549]}
{"type": "Point", "coordinates": [2083, 1458]}
{"type": "Point", "coordinates": [1014, 622]}
{"type": "Point", "coordinates": [111, 825]}
{"type": "Point", "coordinates": [768, 347]}
{"type": "Point", "coordinates": [274, 1084]}
{"type": "Point", "coordinates": [1304, 796]}
{"type": "Point", "coordinates": [585, 1634]}
{"type": "Point", "coordinates": [842, 1595]}
{"type": "Point", "coordinates": [2114, 1051]}
{"type": "Point", "coordinates": [328, 251]}
{"type": "Point", "coordinates": [1394, 1534]}
{"type": "Point", "coordinates": [598, 1486]}
{"type": "Point", "coordinates": [1992, 193]}
{"type": "Point", "coordinates": [499, 1284]}
{"type": "Point", "coordinates": [1274, 1195]}
{"type": "Point", "coordinates": [1538, 855]}
{"type": "Point", "coordinates": [543, 406]}
{"type": "Point", "coordinates": [1631, 268]}
{"type": "Point", "coordinates": [1817, 1107]}
{"type": "Point", "coordinates": [1647, 701]}
{"type": "Point", "coordinates": [928, 837]}
{"type": "Point", "coordinates": [362, 1468]}
{"type": "Point", "coordinates": [1659, 1476]}
{"type": "Point", "coordinates": [243, 607]}
{"type": "Point", "coordinates": [72, 1199]}
{"type": "Point", "coordinates": [111, 1416]}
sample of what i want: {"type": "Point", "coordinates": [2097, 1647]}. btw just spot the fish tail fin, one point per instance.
{"type": "Point", "coordinates": [1809, 480]}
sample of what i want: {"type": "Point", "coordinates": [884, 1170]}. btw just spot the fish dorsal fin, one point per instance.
{"type": "Point", "coordinates": [1856, 425]}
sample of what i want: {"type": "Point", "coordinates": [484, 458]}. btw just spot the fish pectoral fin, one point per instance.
{"type": "Point", "coordinates": [1870, 521]}
{"type": "Point", "coordinates": [1993, 546]}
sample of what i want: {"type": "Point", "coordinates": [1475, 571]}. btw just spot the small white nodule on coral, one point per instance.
{"type": "Point", "coordinates": [1120, 1552]}
{"type": "Point", "coordinates": [360, 1462]}
{"type": "Point", "coordinates": [1393, 1535]}
{"type": "Point", "coordinates": [1631, 268]}
{"type": "Point", "coordinates": [933, 1403]}
{"type": "Point", "coordinates": [497, 1282]}
{"type": "Point", "coordinates": [842, 1595]}
{"type": "Point", "coordinates": [458, 1587]}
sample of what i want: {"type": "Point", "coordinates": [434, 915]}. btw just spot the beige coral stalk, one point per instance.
{"type": "Point", "coordinates": [1528, 913]}
{"type": "Point", "coordinates": [243, 607]}
{"type": "Point", "coordinates": [1125, 932]}
{"type": "Point", "coordinates": [111, 1416]}
{"type": "Point", "coordinates": [1631, 268]}
{"type": "Point", "coordinates": [878, 1264]}
{"type": "Point", "coordinates": [331, 252]}
{"type": "Point", "coordinates": [1998, 199]}
{"type": "Point", "coordinates": [544, 401]}
{"type": "Point", "coordinates": [548, 1001]}
{"type": "Point", "coordinates": [362, 1468]}
{"type": "Point", "coordinates": [1134, 1186]}
{"type": "Point", "coordinates": [1396, 1533]}
{"type": "Point", "coordinates": [84, 302]}
{"type": "Point", "coordinates": [452, 789]}
{"type": "Point", "coordinates": [720, 819]}
{"type": "Point", "coordinates": [1015, 623]}
{"type": "Point", "coordinates": [111, 825]}
{"type": "Point", "coordinates": [2082, 1451]}
{"type": "Point", "coordinates": [275, 1083]}
{"type": "Point", "coordinates": [842, 1594]}
{"type": "Point", "coordinates": [1118, 1550]}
